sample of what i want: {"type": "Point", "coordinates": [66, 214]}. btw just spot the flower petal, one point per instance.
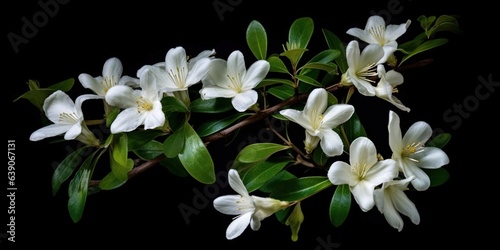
{"type": "Point", "coordinates": [331, 143]}
{"type": "Point", "coordinates": [196, 73]}
{"type": "Point", "coordinates": [56, 104]}
{"type": "Point", "coordinates": [394, 31]}
{"type": "Point", "coordinates": [405, 206]}
{"type": "Point", "coordinates": [341, 173]}
{"type": "Point", "coordinates": [244, 100]}
{"type": "Point", "coordinates": [210, 92]}
{"type": "Point", "coordinates": [297, 117]}
{"type": "Point", "coordinates": [316, 104]}
{"type": "Point", "coordinates": [421, 180]}
{"type": "Point", "coordinates": [217, 74]}
{"type": "Point", "coordinates": [122, 96]}
{"type": "Point", "coordinates": [49, 131]}
{"type": "Point", "coordinates": [73, 131]}
{"type": "Point", "coordinates": [227, 204]}
{"type": "Point", "coordinates": [362, 153]}
{"type": "Point", "coordinates": [127, 120]}
{"type": "Point", "coordinates": [395, 137]}
{"type": "Point", "coordinates": [363, 194]}
{"type": "Point", "coordinates": [337, 114]}
{"type": "Point", "coordinates": [381, 172]}
{"type": "Point", "coordinates": [431, 158]}
{"type": "Point", "coordinates": [236, 183]}
{"type": "Point", "coordinates": [236, 65]}
{"type": "Point", "coordinates": [155, 117]}
{"type": "Point", "coordinates": [419, 132]}
{"type": "Point", "coordinates": [255, 74]}
{"type": "Point", "coordinates": [94, 84]}
{"type": "Point", "coordinates": [112, 68]}
{"type": "Point", "coordinates": [238, 225]}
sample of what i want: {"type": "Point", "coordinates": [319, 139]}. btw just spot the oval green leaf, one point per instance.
{"type": "Point", "coordinates": [259, 151]}
{"type": "Point", "coordinates": [195, 157]}
{"type": "Point", "coordinates": [66, 168]}
{"type": "Point", "coordinates": [282, 92]}
{"type": "Point", "coordinates": [277, 65]}
{"type": "Point", "coordinates": [213, 126]}
{"type": "Point", "coordinates": [172, 104]}
{"type": "Point", "coordinates": [301, 188]}
{"type": "Point", "coordinates": [174, 144]}
{"type": "Point", "coordinates": [216, 105]}
{"type": "Point", "coordinates": [334, 42]}
{"type": "Point", "coordinates": [439, 141]}
{"type": "Point", "coordinates": [262, 172]}
{"type": "Point", "coordinates": [257, 40]}
{"type": "Point", "coordinates": [340, 205]}
{"type": "Point", "coordinates": [301, 32]}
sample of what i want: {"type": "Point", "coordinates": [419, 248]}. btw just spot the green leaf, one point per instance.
{"type": "Point", "coordinates": [427, 45]}
{"type": "Point", "coordinates": [78, 187]}
{"type": "Point", "coordinates": [139, 138]}
{"type": "Point", "coordinates": [319, 156]}
{"type": "Point", "coordinates": [309, 80]}
{"type": "Point", "coordinates": [438, 176]}
{"type": "Point", "coordinates": [262, 172]}
{"type": "Point", "coordinates": [174, 166]}
{"type": "Point", "coordinates": [276, 182]}
{"type": "Point", "coordinates": [195, 157]}
{"type": "Point", "coordinates": [110, 182]}
{"type": "Point", "coordinates": [301, 32]}
{"type": "Point", "coordinates": [294, 55]}
{"type": "Point", "coordinates": [66, 168]}
{"type": "Point", "coordinates": [329, 68]}
{"type": "Point", "coordinates": [173, 104]}
{"type": "Point", "coordinates": [282, 92]}
{"type": "Point", "coordinates": [213, 126]}
{"type": "Point", "coordinates": [274, 81]}
{"type": "Point", "coordinates": [119, 161]}
{"type": "Point", "coordinates": [37, 95]}
{"type": "Point", "coordinates": [216, 105]}
{"type": "Point", "coordinates": [257, 40]}
{"type": "Point", "coordinates": [111, 116]}
{"type": "Point", "coordinates": [150, 150]}
{"type": "Point", "coordinates": [325, 56]}
{"type": "Point", "coordinates": [334, 42]}
{"type": "Point", "coordinates": [259, 151]}
{"type": "Point", "coordinates": [340, 205]}
{"type": "Point", "coordinates": [277, 65]}
{"type": "Point", "coordinates": [301, 188]}
{"type": "Point", "coordinates": [174, 144]}
{"type": "Point", "coordinates": [439, 141]}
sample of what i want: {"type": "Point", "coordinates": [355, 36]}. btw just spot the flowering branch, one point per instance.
{"type": "Point", "coordinates": [151, 118]}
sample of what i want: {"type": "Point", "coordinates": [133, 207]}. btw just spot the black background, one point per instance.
{"type": "Point", "coordinates": [144, 214]}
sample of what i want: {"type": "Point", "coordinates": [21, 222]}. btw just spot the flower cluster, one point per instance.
{"type": "Point", "coordinates": [149, 117]}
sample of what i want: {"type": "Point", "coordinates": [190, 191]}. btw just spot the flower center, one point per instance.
{"type": "Point", "coordinates": [368, 72]}
{"type": "Point", "coordinates": [108, 82]}
{"type": "Point", "coordinates": [143, 104]}
{"type": "Point", "coordinates": [361, 170]}
{"type": "Point", "coordinates": [178, 76]}
{"type": "Point", "coordinates": [235, 83]}
{"type": "Point", "coordinates": [411, 149]}
{"type": "Point", "coordinates": [70, 118]}
{"type": "Point", "coordinates": [378, 33]}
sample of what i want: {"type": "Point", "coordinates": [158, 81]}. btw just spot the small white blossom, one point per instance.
{"type": "Point", "coordinates": [250, 209]}
{"type": "Point", "coordinates": [411, 153]}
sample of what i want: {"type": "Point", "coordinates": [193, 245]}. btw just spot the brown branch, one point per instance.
{"type": "Point", "coordinates": [135, 171]}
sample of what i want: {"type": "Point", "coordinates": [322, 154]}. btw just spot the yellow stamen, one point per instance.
{"type": "Point", "coordinates": [144, 104]}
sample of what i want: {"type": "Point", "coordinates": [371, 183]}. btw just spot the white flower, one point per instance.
{"type": "Point", "coordinates": [232, 80]}
{"type": "Point", "coordinates": [362, 67]}
{"type": "Point", "coordinates": [410, 152]}
{"type": "Point", "coordinates": [140, 107]}
{"type": "Point", "coordinates": [249, 209]}
{"type": "Point", "coordinates": [178, 72]}
{"type": "Point", "coordinates": [319, 122]}
{"type": "Point", "coordinates": [111, 76]}
{"type": "Point", "coordinates": [387, 86]}
{"type": "Point", "coordinates": [364, 173]}
{"type": "Point", "coordinates": [376, 32]}
{"type": "Point", "coordinates": [391, 200]}
{"type": "Point", "coordinates": [67, 118]}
